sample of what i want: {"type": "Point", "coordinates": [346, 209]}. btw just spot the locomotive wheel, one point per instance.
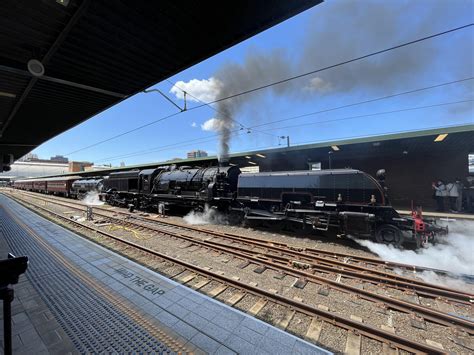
{"type": "Point", "coordinates": [235, 218]}
{"type": "Point", "coordinates": [389, 234]}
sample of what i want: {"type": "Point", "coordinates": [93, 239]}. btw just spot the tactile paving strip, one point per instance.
{"type": "Point", "coordinates": [91, 321]}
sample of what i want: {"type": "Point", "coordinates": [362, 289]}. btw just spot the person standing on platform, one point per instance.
{"type": "Point", "coordinates": [460, 188]}
{"type": "Point", "coordinates": [452, 195]}
{"type": "Point", "coordinates": [440, 193]}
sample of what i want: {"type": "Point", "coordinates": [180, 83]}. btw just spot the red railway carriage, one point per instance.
{"type": "Point", "coordinates": [60, 185]}
{"type": "Point", "coordinates": [23, 184]}
{"type": "Point", "coordinates": [55, 185]}
{"type": "Point", "coordinates": [39, 185]}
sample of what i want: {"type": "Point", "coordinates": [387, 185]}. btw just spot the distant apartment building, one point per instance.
{"type": "Point", "coordinates": [60, 158]}
{"type": "Point", "coordinates": [197, 154]}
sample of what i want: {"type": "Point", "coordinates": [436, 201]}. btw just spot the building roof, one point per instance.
{"type": "Point", "coordinates": [459, 139]}
{"type": "Point", "coordinates": [98, 53]}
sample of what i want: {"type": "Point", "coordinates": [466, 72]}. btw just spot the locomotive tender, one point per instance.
{"type": "Point", "coordinates": [347, 201]}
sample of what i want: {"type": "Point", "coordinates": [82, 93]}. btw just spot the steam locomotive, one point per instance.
{"type": "Point", "coordinates": [347, 201]}
{"type": "Point", "coordinates": [172, 187]}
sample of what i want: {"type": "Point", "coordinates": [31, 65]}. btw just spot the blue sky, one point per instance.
{"type": "Point", "coordinates": [328, 33]}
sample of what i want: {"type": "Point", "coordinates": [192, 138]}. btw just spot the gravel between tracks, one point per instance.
{"type": "Point", "coordinates": [336, 301]}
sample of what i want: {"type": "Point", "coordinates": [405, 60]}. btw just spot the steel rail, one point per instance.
{"type": "Point", "coordinates": [411, 268]}
{"type": "Point", "coordinates": [331, 254]}
{"type": "Point", "coordinates": [324, 265]}
{"type": "Point", "coordinates": [399, 305]}
{"type": "Point", "coordinates": [337, 320]}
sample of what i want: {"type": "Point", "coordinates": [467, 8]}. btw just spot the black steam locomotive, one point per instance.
{"type": "Point", "coordinates": [175, 187]}
{"type": "Point", "coordinates": [347, 201]}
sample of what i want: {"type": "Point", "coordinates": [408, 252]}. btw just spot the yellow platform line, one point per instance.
{"type": "Point", "coordinates": [114, 299]}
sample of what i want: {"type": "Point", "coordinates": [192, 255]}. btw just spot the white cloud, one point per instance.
{"type": "Point", "coordinates": [194, 124]}
{"type": "Point", "coordinates": [212, 124]}
{"type": "Point", "coordinates": [205, 90]}
{"type": "Point", "coordinates": [318, 84]}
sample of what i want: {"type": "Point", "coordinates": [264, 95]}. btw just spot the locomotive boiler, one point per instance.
{"type": "Point", "coordinates": [216, 185]}
{"type": "Point", "coordinates": [185, 187]}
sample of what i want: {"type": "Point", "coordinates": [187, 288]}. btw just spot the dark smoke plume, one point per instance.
{"type": "Point", "coordinates": [343, 30]}
{"type": "Point", "coordinates": [257, 68]}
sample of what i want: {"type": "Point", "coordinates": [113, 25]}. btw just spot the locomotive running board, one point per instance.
{"type": "Point", "coordinates": [269, 218]}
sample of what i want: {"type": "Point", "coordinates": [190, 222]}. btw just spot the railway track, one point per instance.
{"type": "Point", "coordinates": [288, 255]}
{"type": "Point", "coordinates": [346, 260]}
{"type": "Point", "coordinates": [392, 343]}
{"type": "Point", "coordinates": [278, 263]}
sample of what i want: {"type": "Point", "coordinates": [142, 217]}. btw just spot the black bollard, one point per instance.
{"type": "Point", "coordinates": [6, 294]}
{"type": "Point", "coordinates": [10, 270]}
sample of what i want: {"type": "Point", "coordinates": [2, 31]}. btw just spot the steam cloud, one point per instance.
{"type": "Point", "coordinates": [454, 253]}
{"type": "Point", "coordinates": [340, 31]}
{"type": "Point", "coordinates": [92, 199]}
{"type": "Point", "coordinates": [213, 124]}
{"type": "Point", "coordinates": [208, 216]}
{"type": "Point", "coordinates": [200, 90]}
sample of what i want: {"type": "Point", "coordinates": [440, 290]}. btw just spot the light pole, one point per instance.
{"type": "Point", "coordinates": [287, 140]}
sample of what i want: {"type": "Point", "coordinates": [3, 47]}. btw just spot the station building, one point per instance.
{"type": "Point", "coordinates": [35, 168]}
{"type": "Point", "coordinates": [41, 167]}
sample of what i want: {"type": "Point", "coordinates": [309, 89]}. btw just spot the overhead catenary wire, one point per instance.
{"type": "Point", "coordinates": [336, 65]}
{"type": "Point", "coordinates": [238, 133]}
{"type": "Point", "coordinates": [379, 135]}
{"type": "Point", "coordinates": [276, 83]}
{"type": "Point", "coordinates": [372, 114]}
{"type": "Point", "coordinates": [123, 133]}
{"type": "Point", "coordinates": [365, 102]}
{"type": "Point", "coordinates": [341, 107]}
{"type": "Point", "coordinates": [159, 149]}
{"type": "Point", "coordinates": [242, 126]}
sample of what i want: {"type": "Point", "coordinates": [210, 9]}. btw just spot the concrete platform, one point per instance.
{"type": "Point", "coordinates": [78, 297]}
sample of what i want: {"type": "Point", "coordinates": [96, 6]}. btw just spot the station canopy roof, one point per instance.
{"type": "Point", "coordinates": [427, 142]}
{"type": "Point", "coordinates": [97, 53]}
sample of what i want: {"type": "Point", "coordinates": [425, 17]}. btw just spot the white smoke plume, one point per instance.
{"type": "Point", "coordinates": [92, 199]}
{"type": "Point", "coordinates": [453, 253]}
{"type": "Point", "coordinates": [208, 216]}
{"type": "Point", "coordinates": [212, 125]}
{"type": "Point", "coordinates": [205, 90]}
